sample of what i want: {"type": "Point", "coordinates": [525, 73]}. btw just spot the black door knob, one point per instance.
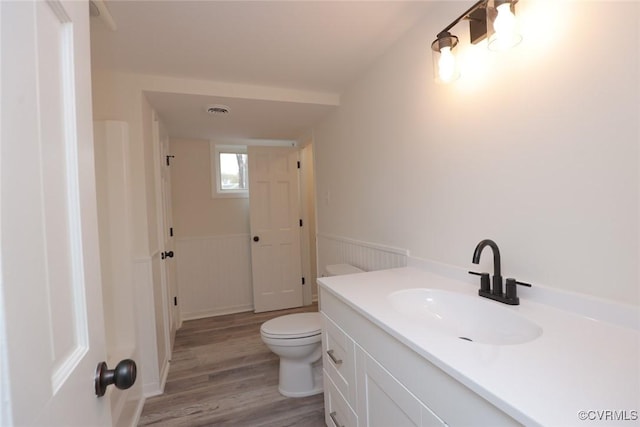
{"type": "Point", "coordinates": [256, 238]}
{"type": "Point", "coordinates": [123, 376]}
{"type": "Point", "coordinates": [167, 254]}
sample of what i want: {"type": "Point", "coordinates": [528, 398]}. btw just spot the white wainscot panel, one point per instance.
{"type": "Point", "coordinates": [365, 255]}
{"type": "Point", "coordinates": [214, 275]}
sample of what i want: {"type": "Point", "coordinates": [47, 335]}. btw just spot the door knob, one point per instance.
{"type": "Point", "coordinates": [256, 238]}
{"type": "Point", "coordinates": [167, 254]}
{"type": "Point", "coordinates": [123, 376]}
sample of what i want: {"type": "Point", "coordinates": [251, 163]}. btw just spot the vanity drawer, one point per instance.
{"type": "Point", "coordinates": [337, 412]}
{"type": "Point", "coordinates": [338, 358]}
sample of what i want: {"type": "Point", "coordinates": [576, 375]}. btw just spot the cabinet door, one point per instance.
{"type": "Point", "coordinates": [383, 401]}
{"type": "Point", "coordinates": [337, 412]}
{"type": "Point", "coordinates": [338, 358]}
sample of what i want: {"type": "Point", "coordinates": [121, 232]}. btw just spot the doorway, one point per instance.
{"type": "Point", "coordinates": [212, 234]}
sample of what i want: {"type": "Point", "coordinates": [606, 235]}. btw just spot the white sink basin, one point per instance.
{"type": "Point", "coordinates": [465, 317]}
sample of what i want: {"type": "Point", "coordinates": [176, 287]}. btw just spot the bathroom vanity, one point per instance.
{"type": "Point", "coordinates": [388, 363]}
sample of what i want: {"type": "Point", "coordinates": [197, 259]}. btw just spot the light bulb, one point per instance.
{"type": "Point", "coordinates": [446, 65]}
{"type": "Point", "coordinates": [505, 29]}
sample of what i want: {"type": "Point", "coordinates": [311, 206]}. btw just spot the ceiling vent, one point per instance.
{"type": "Point", "coordinates": [217, 109]}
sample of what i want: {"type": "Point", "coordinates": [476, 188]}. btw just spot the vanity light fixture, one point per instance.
{"type": "Point", "coordinates": [492, 19]}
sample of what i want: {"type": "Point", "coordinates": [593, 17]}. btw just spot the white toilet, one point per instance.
{"type": "Point", "coordinates": [297, 339]}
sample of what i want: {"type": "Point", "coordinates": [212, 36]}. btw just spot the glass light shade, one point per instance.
{"type": "Point", "coordinates": [445, 64]}
{"type": "Point", "coordinates": [502, 25]}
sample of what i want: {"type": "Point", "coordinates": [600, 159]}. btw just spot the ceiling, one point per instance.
{"type": "Point", "coordinates": [315, 47]}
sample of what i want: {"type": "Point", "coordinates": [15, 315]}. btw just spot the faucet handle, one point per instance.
{"type": "Point", "coordinates": [511, 291]}
{"type": "Point", "coordinates": [485, 284]}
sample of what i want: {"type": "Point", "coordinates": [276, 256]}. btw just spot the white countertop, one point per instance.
{"type": "Point", "coordinates": [577, 364]}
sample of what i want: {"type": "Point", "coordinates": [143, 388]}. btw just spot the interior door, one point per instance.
{"type": "Point", "coordinates": [274, 202]}
{"type": "Point", "coordinates": [168, 235]}
{"type": "Point", "coordinates": [51, 318]}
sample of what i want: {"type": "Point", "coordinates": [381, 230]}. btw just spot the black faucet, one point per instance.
{"type": "Point", "coordinates": [495, 293]}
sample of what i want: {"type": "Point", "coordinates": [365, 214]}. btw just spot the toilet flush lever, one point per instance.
{"type": "Point", "coordinates": [333, 358]}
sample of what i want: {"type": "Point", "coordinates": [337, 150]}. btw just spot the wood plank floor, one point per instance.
{"type": "Point", "coordinates": [222, 374]}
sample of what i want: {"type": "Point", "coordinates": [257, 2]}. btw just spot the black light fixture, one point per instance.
{"type": "Point", "coordinates": [492, 19]}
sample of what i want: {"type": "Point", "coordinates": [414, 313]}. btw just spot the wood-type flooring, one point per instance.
{"type": "Point", "coordinates": [222, 374]}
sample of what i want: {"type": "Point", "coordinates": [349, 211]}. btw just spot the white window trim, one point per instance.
{"type": "Point", "coordinates": [216, 188]}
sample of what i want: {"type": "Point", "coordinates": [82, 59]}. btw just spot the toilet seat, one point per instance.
{"type": "Point", "coordinates": [292, 326]}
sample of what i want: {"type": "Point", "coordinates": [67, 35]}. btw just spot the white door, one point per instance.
{"type": "Point", "coordinates": [274, 202]}
{"type": "Point", "coordinates": [51, 318]}
{"type": "Point", "coordinates": [168, 240]}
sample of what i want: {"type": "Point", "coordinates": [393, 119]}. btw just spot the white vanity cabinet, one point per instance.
{"type": "Point", "coordinates": [372, 379]}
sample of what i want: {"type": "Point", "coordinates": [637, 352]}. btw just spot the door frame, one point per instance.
{"type": "Point", "coordinates": [163, 207]}
{"type": "Point", "coordinates": [308, 211]}
{"type": "Point", "coordinates": [161, 228]}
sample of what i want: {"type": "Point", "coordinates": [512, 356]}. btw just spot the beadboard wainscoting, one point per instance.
{"type": "Point", "coordinates": [214, 275]}
{"type": "Point", "coordinates": [364, 255]}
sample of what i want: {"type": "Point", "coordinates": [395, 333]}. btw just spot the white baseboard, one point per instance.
{"type": "Point", "coordinates": [164, 374]}
{"type": "Point", "coordinates": [217, 312]}
{"type": "Point", "coordinates": [151, 389]}
{"type": "Point", "coordinates": [137, 412]}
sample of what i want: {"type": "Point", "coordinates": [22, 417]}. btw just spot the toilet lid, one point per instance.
{"type": "Point", "coordinates": [297, 325]}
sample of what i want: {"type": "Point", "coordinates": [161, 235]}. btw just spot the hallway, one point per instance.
{"type": "Point", "coordinates": [221, 374]}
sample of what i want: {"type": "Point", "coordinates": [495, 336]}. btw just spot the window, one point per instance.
{"type": "Point", "coordinates": [229, 171]}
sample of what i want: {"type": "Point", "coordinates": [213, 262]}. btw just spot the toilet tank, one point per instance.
{"type": "Point", "coordinates": [341, 269]}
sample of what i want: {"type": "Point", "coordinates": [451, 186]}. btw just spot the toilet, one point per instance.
{"type": "Point", "coordinates": [297, 340]}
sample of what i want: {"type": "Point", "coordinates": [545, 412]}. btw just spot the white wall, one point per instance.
{"type": "Point", "coordinates": [195, 212]}
{"type": "Point", "coordinates": [536, 148]}
{"type": "Point", "coordinates": [111, 145]}
{"type": "Point", "coordinates": [119, 97]}
{"type": "Point", "coordinates": [213, 256]}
